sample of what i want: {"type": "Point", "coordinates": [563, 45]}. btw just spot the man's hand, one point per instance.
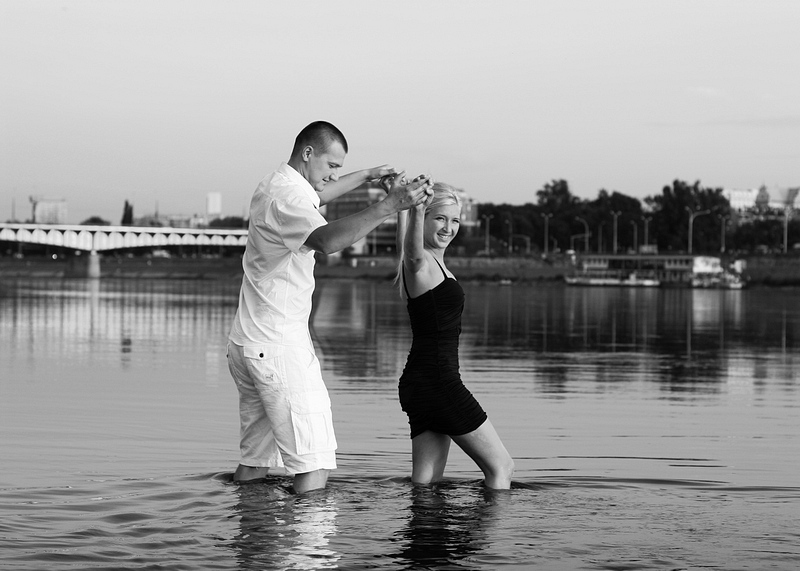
{"type": "Point", "coordinates": [343, 232]}
{"type": "Point", "coordinates": [380, 172]}
{"type": "Point", "coordinates": [351, 181]}
{"type": "Point", "coordinates": [403, 195]}
{"type": "Point", "coordinates": [388, 180]}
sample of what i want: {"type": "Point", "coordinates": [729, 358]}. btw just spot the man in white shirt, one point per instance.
{"type": "Point", "coordinates": [284, 407]}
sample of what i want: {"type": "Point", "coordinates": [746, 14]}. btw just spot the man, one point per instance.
{"type": "Point", "coordinates": [284, 408]}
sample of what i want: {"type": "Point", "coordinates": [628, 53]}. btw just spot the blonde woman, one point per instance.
{"type": "Point", "coordinates": [440, 408]}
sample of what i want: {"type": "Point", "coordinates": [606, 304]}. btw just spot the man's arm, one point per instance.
{"type": "Point", "coordinates": [348, 182]}
{"type": "Point", "coordinates": [339, 234]}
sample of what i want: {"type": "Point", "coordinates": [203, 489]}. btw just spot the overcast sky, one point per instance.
{"type": "Point", "coordinates": [160, 102]}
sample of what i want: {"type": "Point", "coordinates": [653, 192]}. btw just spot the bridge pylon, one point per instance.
{"type": "Point", "coordinates": [93, 267]}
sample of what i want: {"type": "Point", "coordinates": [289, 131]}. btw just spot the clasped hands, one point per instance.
{"type": "Point", "coordinates": [397, 187]}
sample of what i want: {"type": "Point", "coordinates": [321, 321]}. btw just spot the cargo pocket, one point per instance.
{"type": "Point", "coordinates": [266, 368]}
{"type": "Point", "coordinates": [312, 423]}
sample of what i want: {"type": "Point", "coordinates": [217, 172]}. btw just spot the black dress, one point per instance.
{"type": "Point", "coordinates": [431, 391]}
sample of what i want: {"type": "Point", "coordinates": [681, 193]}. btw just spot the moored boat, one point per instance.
{"type": "Point", "coordinates": [709, 273]}
{"type": "Point", "coordinates": [654, 270]}
{"type": "Point", "coordinates": [631, 280]}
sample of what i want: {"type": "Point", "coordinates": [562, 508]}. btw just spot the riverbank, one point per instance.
{"type": "Point", "coordinates": [762, 270]}
{"type": "Point", "coordinates": [379, 268]}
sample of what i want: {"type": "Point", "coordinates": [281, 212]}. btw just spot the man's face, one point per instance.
{"type": "Point", "coordinates": [324, 167]}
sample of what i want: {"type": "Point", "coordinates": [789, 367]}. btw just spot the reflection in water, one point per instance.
{"type": "Point", "coordinates": [279, 530]}
{"type": "Point", "coordinates": [688, 339]}
{"type": "Point", "coordinates": [366, 322]}
{"type": "Point", "coordinates": [672, 412]}
{"type": "Point", "coordinates": [95, 319]}
{"type": "Point", "coordinates": [448, 523]}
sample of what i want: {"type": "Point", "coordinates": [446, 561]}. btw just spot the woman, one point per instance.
{"type": "Point", "coordinates": [439, 406]}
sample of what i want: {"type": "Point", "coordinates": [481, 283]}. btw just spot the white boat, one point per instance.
{"type": "Point", "coordinates": [653, 270]}
{"type": "Point", "coordinates": [726, 280]}
{"type": "Point", "coordinates": [631, 280]}
{"type": "Point", "coordinates": [709, 273]}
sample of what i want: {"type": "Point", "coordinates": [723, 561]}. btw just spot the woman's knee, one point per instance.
{"type": "Point", "coordinates": [502, 468]}
{"type": "Point", "coordinates": [509, 466]}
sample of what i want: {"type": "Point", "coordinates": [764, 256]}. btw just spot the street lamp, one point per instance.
{"type": "Point", "coordinates": [585, 235]}
{"type": "Point", "coordinates": [787, 215]}
{"type": "Point", "coordinates": [724, 224]}
{"type": "Point", "coordinates": [486, 222]}
{"type": "Point", "coordinates": [600, 237]}
{"type": "Point", "coordinates": [615, 214]}
{"type": "Point", "coordinates": [692, 216]}
{"type": "Point", "coordinates": [646, 220]}
{"type": "Point", "coordinates": [547, 216]}
{"type": "Point", "coordinates": [635, 236]}
{"type": "Point", "coordinates": [572, 241]}
{"type": "Point", "coordinates": [527, 243]}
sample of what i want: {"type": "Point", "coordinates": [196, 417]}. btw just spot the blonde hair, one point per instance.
{"type": "Point", "coordinates": [443, 195]}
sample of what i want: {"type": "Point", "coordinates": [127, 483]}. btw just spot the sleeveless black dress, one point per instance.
{"type": "Point", "coordinates": [431, 391]}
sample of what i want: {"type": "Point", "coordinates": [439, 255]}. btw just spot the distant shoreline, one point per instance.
{"type": "Point", "coordinates": [763, 270]}
{"type": "Point", "coordinates": [378, 268]}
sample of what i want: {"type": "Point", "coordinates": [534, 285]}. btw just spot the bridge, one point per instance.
{"type": "Point", "coordinates": [96, 239]}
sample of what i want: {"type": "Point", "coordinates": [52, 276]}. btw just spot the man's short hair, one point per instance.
{"type": "Point", "coordinates": [320, 135]}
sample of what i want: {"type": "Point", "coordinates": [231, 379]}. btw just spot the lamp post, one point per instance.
{"type": "Point", "coordinates": [615, 214]}
{"type": "Point", "coordinates": [692, 216]}
{"type": "Point", "coordinates": [723, 227]}
{"type": "Point", "coordinates": [527, 242]}
{"type": "Point", "coordinates": [646, 220]}
{"type": "Point", "coordinates": [600, 237]}
{"type": "Point", "coordinates": [635, 236]}
{"type": "Point", "coordinates": [547, 216]}
{"type": "Point", "coordinates": [787, 215]}
{"type": "Point", "coordinates": [510, 224]}
{"type": "Point", "coordinates": [486, 222]}
{"type": "Point", "coordinates": [585, 235]}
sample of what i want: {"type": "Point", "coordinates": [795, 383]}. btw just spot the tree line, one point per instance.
{"type": "Point", "coordinates": [615, 222]}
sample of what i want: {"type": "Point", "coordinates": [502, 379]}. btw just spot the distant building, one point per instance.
{"type": "Point", "coordinates": [49, 211]}
{"type": "Point", "coordinates": [382, 239]}
{"type": "Point", "coordinates": [213, 205]}
{"type": "Point", "coordinates": [172, 221]}
{"type": "Point", "coordinates": [763, 198]}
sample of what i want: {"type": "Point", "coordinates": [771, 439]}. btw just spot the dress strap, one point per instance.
{"type": "Point", "coordinates": [403, 275]}
{"type": "Point", "coordinates": [440, 267]}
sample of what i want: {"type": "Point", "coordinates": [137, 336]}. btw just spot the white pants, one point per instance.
{"type": "Point", "coordinates": [284, 408]}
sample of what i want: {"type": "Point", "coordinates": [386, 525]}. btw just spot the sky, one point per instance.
{"type": "Point", "coordinates": [162, 102]}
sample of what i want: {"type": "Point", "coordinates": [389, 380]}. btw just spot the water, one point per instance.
{"type": "Point", "coordinates": [651, 429]}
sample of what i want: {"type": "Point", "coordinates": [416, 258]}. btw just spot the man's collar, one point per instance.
{"type": "Point", "coordinates": [287, 170]}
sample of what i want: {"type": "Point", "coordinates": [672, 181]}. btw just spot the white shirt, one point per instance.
{"type": "Point", "coordinates": [278, 281]}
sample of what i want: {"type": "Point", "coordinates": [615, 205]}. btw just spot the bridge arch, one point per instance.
{"type": "Point", "coordinates": [98, 239]}
{"type": "Point", "coordinates": [104, 238]}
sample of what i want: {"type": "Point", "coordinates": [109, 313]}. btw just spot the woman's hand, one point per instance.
{"type": "Point", "coordinates": [405, 195]}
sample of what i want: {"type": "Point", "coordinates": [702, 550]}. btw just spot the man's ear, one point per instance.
{"type": "Point", "coordinates": [307, 153]}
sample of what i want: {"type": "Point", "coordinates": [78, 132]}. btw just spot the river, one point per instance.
{"type": "Point", "coordinates": [651, 429]}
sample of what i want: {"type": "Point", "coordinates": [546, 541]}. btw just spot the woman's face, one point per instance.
{"type": "Point", "coordinates": [441, 225]}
